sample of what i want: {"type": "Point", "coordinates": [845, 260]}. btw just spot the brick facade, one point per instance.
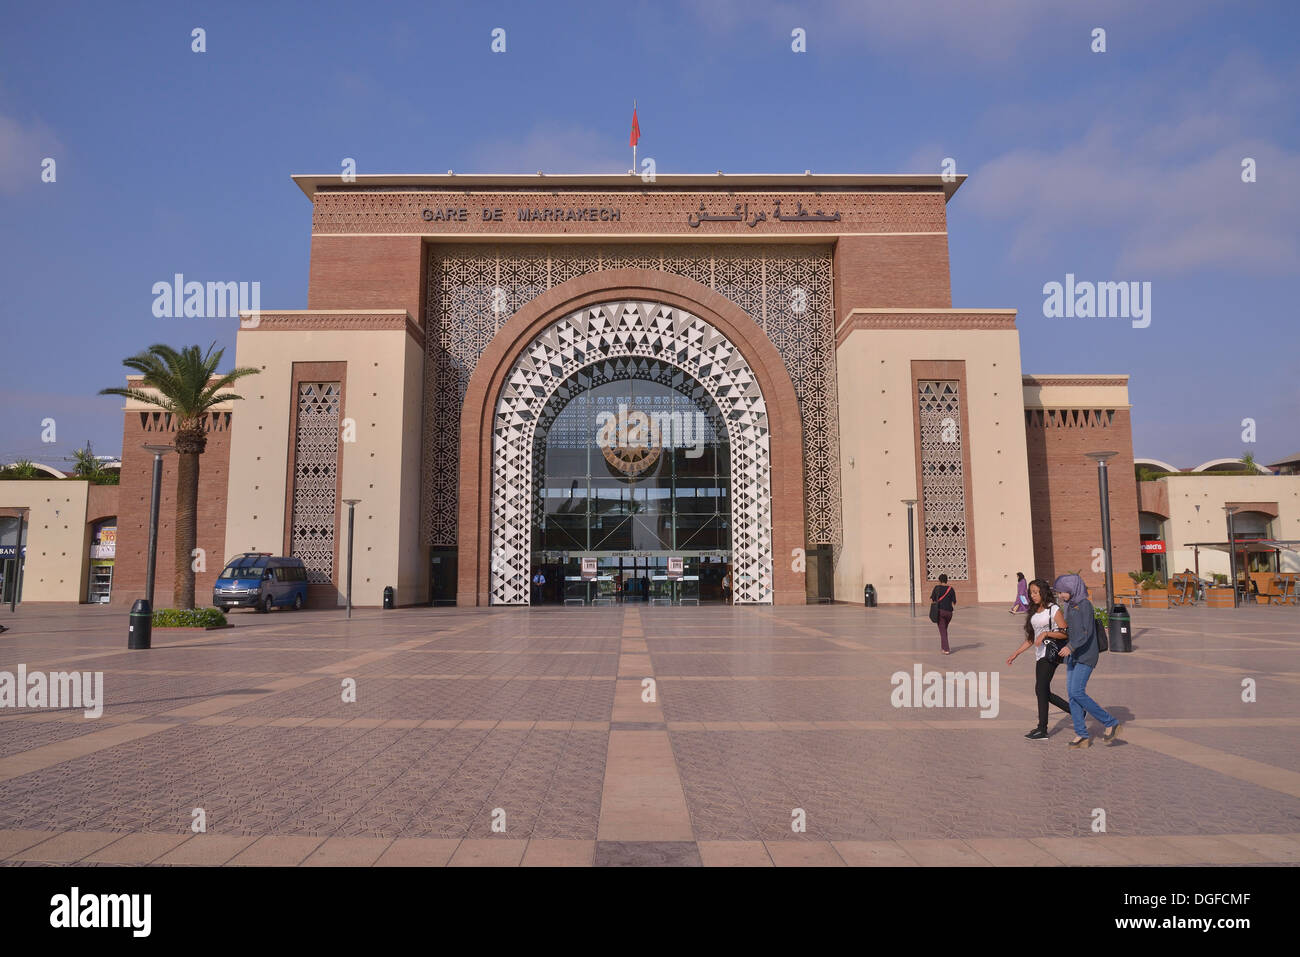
{"type": "Point", "coordinates": [1065, 500]}
{"type": "Point", "coordinates": [142, 427]}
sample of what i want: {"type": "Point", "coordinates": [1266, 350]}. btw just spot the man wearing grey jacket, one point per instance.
{"type": "Point", "coordinates": [1080, 660]}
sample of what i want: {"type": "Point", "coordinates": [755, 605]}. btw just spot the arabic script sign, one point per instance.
{"type": "Point", "coordinates": [741, 214]}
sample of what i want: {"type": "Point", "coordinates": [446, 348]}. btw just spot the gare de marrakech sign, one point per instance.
{"type": "Point", "coordinates": [693, 213]}
{"type": "Point", "coordinates": [607, 214]}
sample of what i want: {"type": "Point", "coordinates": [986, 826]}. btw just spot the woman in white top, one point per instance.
{"type": "Point", "coordinates": [1045, 620]}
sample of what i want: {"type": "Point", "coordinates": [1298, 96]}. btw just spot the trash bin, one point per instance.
{"type": "Point", "coordinates": [140, 634]}
{"type": "Point", "coordinates": [389, 596]}
{"type": "Point", "coordinates": [869, 596]}
{"type": "Point", "coordinates": [1121, 629]}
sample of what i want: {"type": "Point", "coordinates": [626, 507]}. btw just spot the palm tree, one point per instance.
{"type": "Point", "coordinates": [188, 386]}
{"type": "Point", "coordinates": [85, 464]}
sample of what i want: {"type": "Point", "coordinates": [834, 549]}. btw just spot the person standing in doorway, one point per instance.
{"type": "Point", "coordinates": [539, 587]}
{"type": "Point", "coordinates": [1081, 658]}
{"type": "Point", "coordinates": [942, 600]}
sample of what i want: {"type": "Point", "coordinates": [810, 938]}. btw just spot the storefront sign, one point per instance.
{"type": "Point", "coordinates": [104, 544]}
{"type": "Point", "coordinates": [588, 568]}
{"type": "Point", "coordinates": [1153, 548]}
{"type": "Point", "coordinates": [674, 568]}
{"type": "Point", "coordinates": [10, 551]}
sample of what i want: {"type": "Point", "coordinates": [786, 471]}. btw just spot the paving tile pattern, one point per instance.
{"type": "Point", "coordinates": [467, 721]}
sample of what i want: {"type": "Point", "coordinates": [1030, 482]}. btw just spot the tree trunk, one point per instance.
{"type": "Point", "coordinates": [188, 446]}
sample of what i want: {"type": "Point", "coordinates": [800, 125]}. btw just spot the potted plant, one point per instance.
{"type": "Point", "coordinates": [1219, 595]}
{"type": "Point", "coordinates": [1154, 594]}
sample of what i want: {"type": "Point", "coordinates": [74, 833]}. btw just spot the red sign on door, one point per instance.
{"type": "Point", "coordinates": [1153, 548]}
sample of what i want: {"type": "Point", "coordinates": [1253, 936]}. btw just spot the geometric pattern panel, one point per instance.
{"type": "Point", "coordinates": [475, 288]}
{"type": "Point", "coordinates": [315, 478]}
{"type": "Point", "coordinates": [943, 485]}
{"type": "Point", "coordinates": [653, 332]}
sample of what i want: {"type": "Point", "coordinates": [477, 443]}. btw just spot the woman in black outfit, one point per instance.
{"type": "Point", "coordinates": [1045, 620]}
{"type": "Point", "coordinates": [944, 595]}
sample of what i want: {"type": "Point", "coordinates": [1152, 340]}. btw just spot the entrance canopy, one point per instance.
{"type": "Point", "coordinates": [1253, 546]}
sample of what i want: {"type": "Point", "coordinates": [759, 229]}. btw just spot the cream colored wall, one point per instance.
{"type": "Point", "coordinates": [878, 458]}
{"type": "Point", "coordinates": [58, 558]}
{"type": "Point", "coordinates": [1045, 394]}
{"type": "Point", "coordinates": [1186, 524]}
{"type": "Point", "coordinates": [413, 564]}
{"type": "Point", "coordinates": [381, 468]}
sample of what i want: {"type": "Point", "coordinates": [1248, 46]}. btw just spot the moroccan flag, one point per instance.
{"type": "Point", "coordinates": [636, 129]}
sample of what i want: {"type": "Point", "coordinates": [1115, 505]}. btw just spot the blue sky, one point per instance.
{"type": "Point", "coordinates": [1123, 165]}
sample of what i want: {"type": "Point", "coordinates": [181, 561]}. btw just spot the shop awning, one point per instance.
{"type": "Point", "coordinates": [1251, 547]}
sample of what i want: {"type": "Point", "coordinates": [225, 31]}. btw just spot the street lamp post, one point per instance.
{"type": "Point", "coordinates": [911, 562]}
{"type": "Point", "coordinates": [351, 503]}
{"type": "Point", "coordinates": [18, 561]}
{"type": "Point", "coordinates": [1103, 488]}
{"type": "Point", "coordinates": [1229, 511]}
{"type": "Point", "coordinates": [140, 632]}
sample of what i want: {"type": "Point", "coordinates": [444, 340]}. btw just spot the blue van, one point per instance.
{"type": "Point", "coordinates": [258, 580]}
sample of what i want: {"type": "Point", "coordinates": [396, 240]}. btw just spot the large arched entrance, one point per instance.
{"type": "Point", "coordinates": [631, 472]}
{"type": "Point", "coordinates": [637, 325]}
{"type": "Point", "coordinates": [622, 342]}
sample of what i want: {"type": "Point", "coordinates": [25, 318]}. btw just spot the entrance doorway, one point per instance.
{"type": "Point", "coordinates": [632, 475]}
{"type": "Point", "coordinates": [637, 579]}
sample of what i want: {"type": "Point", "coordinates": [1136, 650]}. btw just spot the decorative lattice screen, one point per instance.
{"type": "Point", "coordinates": [315, 478]}
{"type": "Point", "coordinates": [943, 485]}
{"type": "Point", "coordinates": [474, 288]}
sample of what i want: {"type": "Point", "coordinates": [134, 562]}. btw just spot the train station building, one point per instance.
{"type": "Point", "coordinates": [544, 389]}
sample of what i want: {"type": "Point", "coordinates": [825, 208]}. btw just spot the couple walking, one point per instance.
{"type": "Point", "coordinates": [1068, 633]}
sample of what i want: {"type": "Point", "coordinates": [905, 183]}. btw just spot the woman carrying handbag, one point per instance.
{"type": "Point", "coordinates": [1044, 632]}
{"type": "Point", "coordinates": [942, 600]}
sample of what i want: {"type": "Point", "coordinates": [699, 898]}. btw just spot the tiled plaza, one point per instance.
{"type": "Point", "coordinates": [522, 736]}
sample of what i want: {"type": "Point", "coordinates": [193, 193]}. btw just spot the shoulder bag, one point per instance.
{"type": "Point", "coordinates": [934, 606]}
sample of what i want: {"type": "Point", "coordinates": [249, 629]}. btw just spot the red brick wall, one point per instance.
{"type": "Point", "coordinates": [891, 272]}
{"type": "Point", "coordinates": [367, 272]}
{"type": "Point", "coordinates": [1065, 502]}
{"type": "Point", "coordinates": [102, 502]}
{"type": "Point", "coordinates": [133, 512]}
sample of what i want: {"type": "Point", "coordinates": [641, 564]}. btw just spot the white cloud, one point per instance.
{"type": "Point", "coordinates": [1167, 193]}
{"type": "Point", "coordinates": [22, 148]}
{"type": "Point", "coordinates": [553, 149]}
{"type": "Point", "coordinates": [989, 32]}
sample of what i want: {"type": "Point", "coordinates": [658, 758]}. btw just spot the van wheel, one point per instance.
{"type": "Point", "coordinates": [223, 608]}
{"type": "Point", "coordinates": [297, 602]}
{"type": "Point", "coordinates": [267, 604]}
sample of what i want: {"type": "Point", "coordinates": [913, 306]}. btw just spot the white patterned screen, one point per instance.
{"type": "Point", "coordinates": [943, 484]}
{"type": "Point", "coordinates": [474, 289]}
{"type": "Point", "coordinates": [315, 478]}
{"type": "Point", "coordinates": [651, 332]}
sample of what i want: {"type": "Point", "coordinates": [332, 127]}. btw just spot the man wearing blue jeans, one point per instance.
{"type": "Point", "coordinates": [1080, 660]}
